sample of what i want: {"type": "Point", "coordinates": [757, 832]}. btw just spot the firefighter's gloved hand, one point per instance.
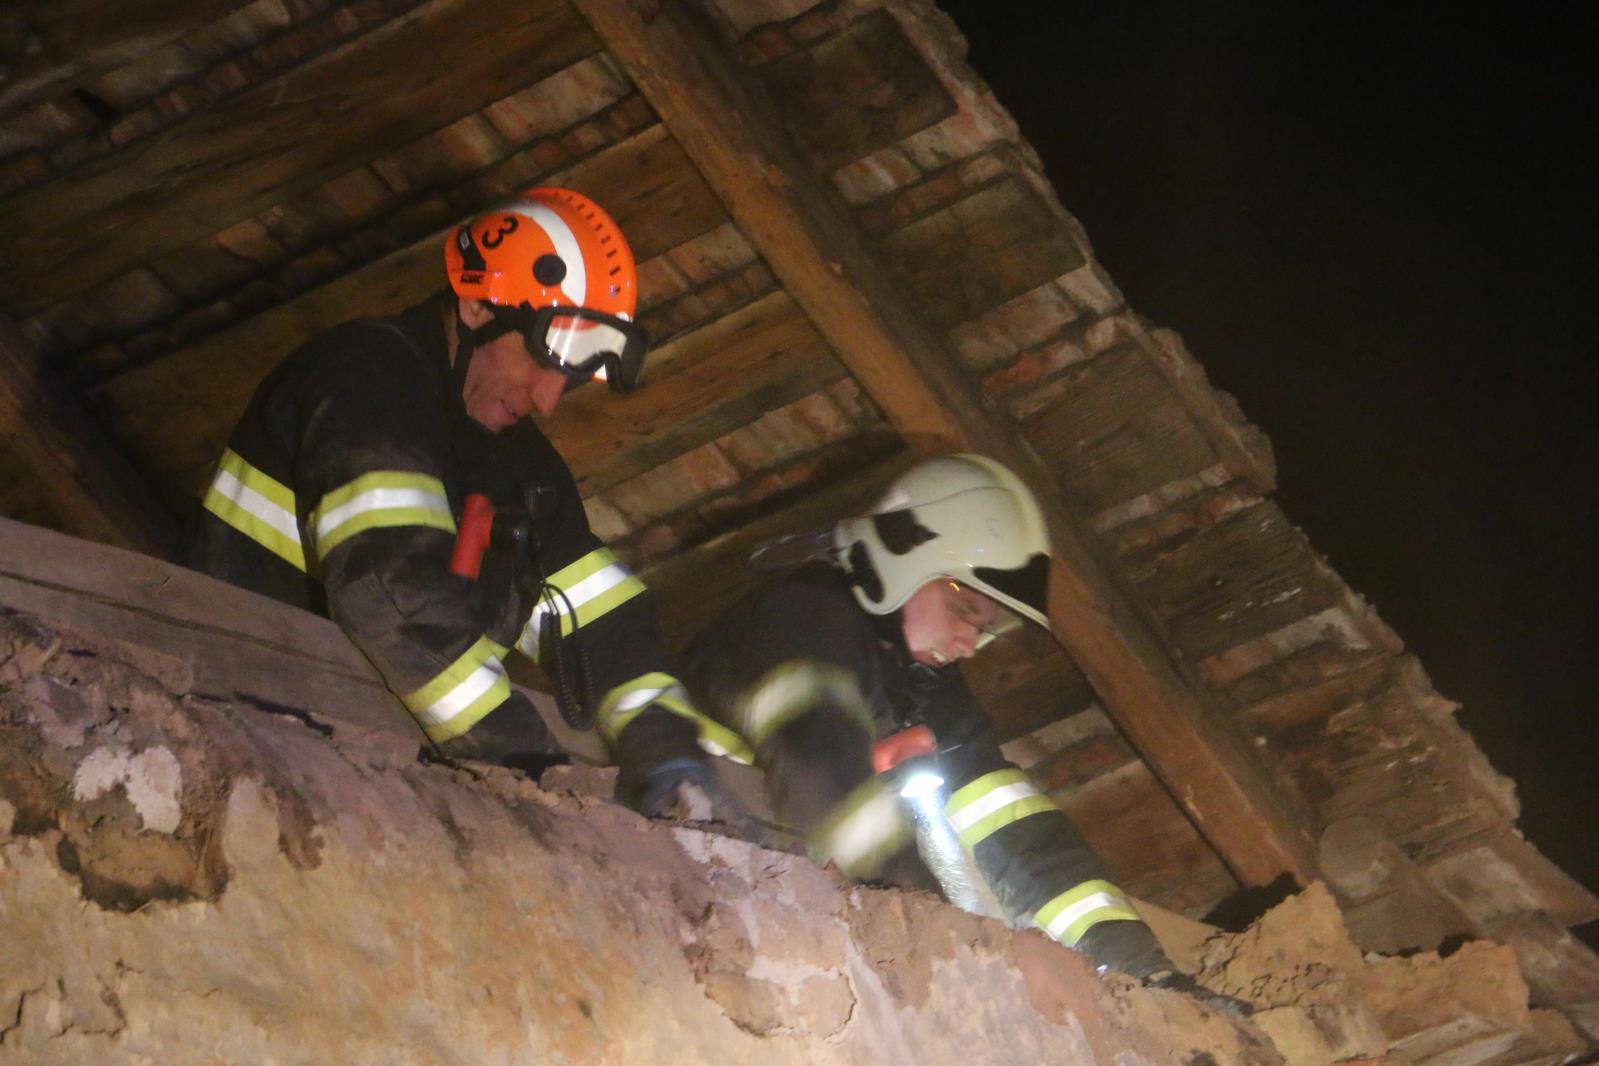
{"type": "Point", "coordinates": [1126, 947]}
{"type": "Point", "coordinates": [514, 735]}
{"type": "Point", "coordinates": [1177, 981]}
{"type": "Point", "coordinates": [688, 790]}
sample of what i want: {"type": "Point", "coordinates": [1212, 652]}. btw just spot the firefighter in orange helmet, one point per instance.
{"type": "Point", "coordinates": [342, 484]}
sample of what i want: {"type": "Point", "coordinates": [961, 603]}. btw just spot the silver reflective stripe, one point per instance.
{"type": "Point", "coordinates": [1088, 904]}
{"type": "Point", "coordinates": [390, 499]}
{"type": "Point", "coordinates": [461, 696]}
{"type": "Point", "coordinates": [256, 505]}
{"type": "Point", "coordinates": [996, 800]}
{"type": "Point", "coordinates": [595, 585]}
{"type": "Point", "coordinates": [864, 831]}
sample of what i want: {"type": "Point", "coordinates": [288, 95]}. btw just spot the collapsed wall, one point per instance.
{"type": "Point", "coordinates": [188, 879]}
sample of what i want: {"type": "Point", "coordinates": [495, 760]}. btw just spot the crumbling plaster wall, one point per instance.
{"type": "Point", "coordinates": [187, 880]}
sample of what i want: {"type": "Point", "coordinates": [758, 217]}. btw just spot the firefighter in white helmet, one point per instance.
{"type": "Point", "coordinates": [862, 638]}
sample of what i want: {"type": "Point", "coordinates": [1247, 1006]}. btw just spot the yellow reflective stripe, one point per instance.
{"type": "Point", "coordinates": [863, 831]}
{"type": "Point", "coordinates": [627, 701]}
{"type": "Point", "coordinates": [1072, 913]}
{"type": "Point", "coordinates": [462, 693]}
{"type": "Point", "coordinates": [992, 802]}
{"type": "Point", "coordinates": [382, 498]}
{"type": "Point", "coordinates": [589, 588]}
{"type": "Point", "coordinates": [793, 689]}
{"type": "Point", "coordinates": [257, 505]}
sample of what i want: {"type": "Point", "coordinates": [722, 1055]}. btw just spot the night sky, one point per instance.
{"type": "Point", "coordinates": [1373, 229]}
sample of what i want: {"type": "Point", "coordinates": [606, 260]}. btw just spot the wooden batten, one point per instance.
{"type": "Point", "coordinates": [315, 122]}
{"type": "Point", "coordinates": [77, 40]}
{"type": "Point", "coordinates": [704, 384]}
{"type": "Point", "coordinates": [734, 135]}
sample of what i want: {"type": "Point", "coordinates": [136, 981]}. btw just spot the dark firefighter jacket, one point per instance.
{"type": "Point", "coordinates": [338, 492]}
{"type": "Point", "coordinates": [810, 679]}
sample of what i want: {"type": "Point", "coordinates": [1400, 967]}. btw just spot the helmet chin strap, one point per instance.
{"type": "Point", "coordinates": [469, 340]}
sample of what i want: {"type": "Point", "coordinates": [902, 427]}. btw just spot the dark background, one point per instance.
{"type": "Point", "coordinates": [1373, 228]}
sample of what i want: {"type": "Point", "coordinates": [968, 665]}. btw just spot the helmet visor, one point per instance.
{"type": "Point", "coordinates": [584, 344]}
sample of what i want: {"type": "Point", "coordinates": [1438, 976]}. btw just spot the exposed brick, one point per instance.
{"type": "Point", "coordinates": [821, 413]}
{"type": "Point", "coordinates": [578, 92]}
{"type": "Point", "coordinates": [314, 268]}
{"type": "Point", "coordinates": [875, 175]}
{"type": "Point", "coordinates": [1331, 626]}
{"type": "Point", "coordinates": [854, 403]}
{"type": "Point", "coordinates": [132, 127]}
{"type": "Point", "coordinates": [1034, 365]}
{"type": "Point", "coordinates": [764, 44]}
{"type": "Point", "coordinates": [1107, 333]}
{"type": "Point", "coordinates": [820, 21]}
{"type": "Point", "coordinates": [470, 144]}
{"type": "Point", "coordinates": [1092, 288]}
{"type": "Point", "coordinates": [712, 255]}
{"type": "Point", "coordinates": [773, 438]}
{"type": "Point", "coordinates": [229, 77]}
{"type": "Point", "coordinates": [359, 194]}
{"type": "Point", "coordinates": [605, 520]}
{"type": "Point", "coordinates": [659, 281]}
{"type": "Point", "coordinates": [960, 136]}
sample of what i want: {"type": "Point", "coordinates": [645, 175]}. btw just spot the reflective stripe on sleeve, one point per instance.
{"type": "Point", "coordinates": [383, 498]}
{"type": "Point", "coordinates": [793, 689]}
{"type": "Point", "coordinates": [993, 801]}
{"type": "Point", "coordinates": [462, 693]}
{"type": "Point", "coordinates": [1077, 910]}
{"type": "Point", "coordinates": [587, 589]}
{"type": "Point", "coordinates": [863, 831]}
{"type": "Point", "coordinates": [257, 505]}
{"type": "Point", "coordinates": [627, 701]}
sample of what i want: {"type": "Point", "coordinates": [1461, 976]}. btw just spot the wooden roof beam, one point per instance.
{"type": "Point", "coordinates": [89, 485]}
{"type": "Point", "coordinates": [733, 133]}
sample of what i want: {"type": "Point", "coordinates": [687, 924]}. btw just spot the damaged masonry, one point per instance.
{"type": "Point", "coordinates": [218, 839]}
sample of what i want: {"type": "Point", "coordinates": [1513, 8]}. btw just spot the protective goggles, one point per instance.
{"type": "Point", "coordinates": [584, 344]}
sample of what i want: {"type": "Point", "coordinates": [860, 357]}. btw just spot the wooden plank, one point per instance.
{"type": "Point", "coordinates": [231, 643]}
{"type": "Point", "coordinates": [731, 131]}
{"type": "Point", "coordinates": [703, 384]}
{"type": "Point", "coordinates": [1237, 580]}
{"type": "Point", "coordinates": [856, 92]}
{"type": "Point", "coordinates": [996, 243]}
{"type": "Point", "coordinates": [74, 475]}
{"type": "Point", "coordinates": [175, 414]}
{"type": "Point", "coordinates": [78, 40]}
{"type": "Point", "coordinates": [1153, 851]}
{"type": "Point", "coordinates": [693, 586]}
{"type": "Point", "coordinates": [417, 74]}
{"type": "Point", "coordinates": [1118, 431]}
{"type": "Point", "coordinates": [1024, 682]}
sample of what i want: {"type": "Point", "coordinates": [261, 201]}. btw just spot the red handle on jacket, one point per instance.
{"type": "Point", "coordinates": [906, 744]}
{"type": "Point", "coordinates": [472, 539]}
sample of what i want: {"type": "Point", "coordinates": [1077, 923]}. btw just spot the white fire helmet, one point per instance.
{"type": "Point", "coordinates": [964, 517]}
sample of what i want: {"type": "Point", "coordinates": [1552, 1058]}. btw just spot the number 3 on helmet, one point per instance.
{"type": "Point", "coordinates": [555, 267]}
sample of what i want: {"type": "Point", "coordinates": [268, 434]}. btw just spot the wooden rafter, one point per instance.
{"type": "Point", "coordinates": [793, 218]}
{"type": "Point", "coordinates": [89, 485]}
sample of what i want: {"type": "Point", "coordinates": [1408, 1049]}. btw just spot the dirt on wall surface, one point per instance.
{"type": "Point", "coordinates": [184, 880]}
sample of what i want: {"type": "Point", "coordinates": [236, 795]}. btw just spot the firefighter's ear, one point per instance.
{"type": "Point", "coordinates": [475, 313]}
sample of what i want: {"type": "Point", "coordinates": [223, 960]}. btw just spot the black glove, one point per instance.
{"type": "Point", "coordinates": [1221, 1003]}
{"type": "Point", "coordinates": [665, 773]}
{"type": "Point", "coordinates": [514, 735]}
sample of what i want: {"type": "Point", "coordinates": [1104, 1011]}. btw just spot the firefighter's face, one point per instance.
{"type": "Point", "coordinates": [944, 621]}
{"type": "Point", "coordinates": [504, 383]}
